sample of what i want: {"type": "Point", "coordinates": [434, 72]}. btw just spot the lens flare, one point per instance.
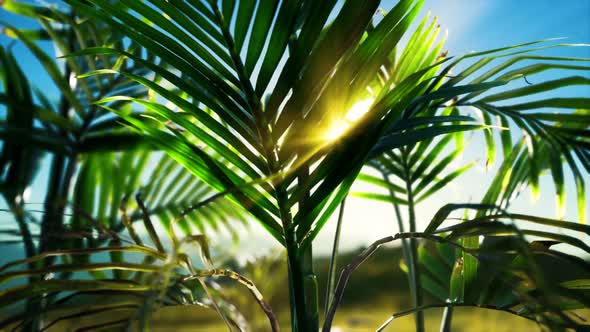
{"type": "Point", "coordinates": [359, 109]}
{"type": "Point", "coordinates": [339, 127]}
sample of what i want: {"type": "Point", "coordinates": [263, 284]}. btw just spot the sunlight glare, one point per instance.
{"type": "Point", "coordinates": [338, 129]}
{"type": "Point", "coordinates": [359, 109]}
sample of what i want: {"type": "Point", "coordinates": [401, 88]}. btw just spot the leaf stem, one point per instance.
{"type": "Point", "coordinates": [334, 260]}
{"type": "Point", "coordinates": [415, 269]}
{"type": "Point", "coordinates": [405, 244]}
{"type": "Point", "coordinates": [447, 319]}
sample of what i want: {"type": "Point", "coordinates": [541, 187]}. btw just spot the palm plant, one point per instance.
{"type": "Point", "coordinates": [415, 171]}
{"type": "Point", "coordinates": [163, 278]}
{"type": "Point", "coordinates": [516, 275]}
{"type": "Point", "coordinates": [263, 117]}
{"type": "Point", "coordinates": [82, 141]}
{"type": "Point", "coordinates": [107, 160]}
{"type": "Point", "coordinates": [519, 276]}
{"type": "Point", "coordinates": [67, 128]}
{"type": "Point", "coordinates": [273, 120]}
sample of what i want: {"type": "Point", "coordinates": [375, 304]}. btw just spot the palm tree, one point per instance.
{"type": "Point", "coordinates": [413, 172]}
{"type": "Point", "coordinates": [92, 153]}
{"type": "Point", "coordinates": [261, 92]}
{"type": "Point", "coordinates": [283, 150]}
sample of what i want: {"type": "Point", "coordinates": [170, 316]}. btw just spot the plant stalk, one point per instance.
{"type": "Point", "coordinates": [331, 286]}
{"type": "Point", "coordinates": [402, 229]}
{"type": "Point", "coordinates": [303, 288]}
{"type": "Point", "coordinates": [447, 319]}
{"type": "Point", "coordinates": [417, 291]}
{"type": "Point", "coordinates": [61, 173]}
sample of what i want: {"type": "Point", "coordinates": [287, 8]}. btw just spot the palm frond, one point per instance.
{"type": "Point", "coordinates": [170, 281]}
{"type": "Point", "coordinates": [234, 93]}
{"type": "Point", "coordinates": [107, 183]}
{"type": "Point", "coordinates": [515, 274]}
{"type": "Point", "coordinates": [323, 75]}
{"type": "Point", "coordinates": [521, 277]}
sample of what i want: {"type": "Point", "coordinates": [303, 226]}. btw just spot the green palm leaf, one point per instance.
{"type": "Point", "coordinates": [170, 281]}
{"type": "Point", "coordinates": [258, 111]}
{"type": "Point", "coordinates": [167, 190]}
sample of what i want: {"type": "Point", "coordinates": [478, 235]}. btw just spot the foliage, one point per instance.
{"type": "Point", "coordinates": [260, 101]}
{"type": "Point", "coordinates": [96, 164]}
{"type": "Point", "coordinates": [82, 138]}
{"type": "Point", "coordinates": [160, 278]}
{"type": "Point", "coordinates": [390, 117]}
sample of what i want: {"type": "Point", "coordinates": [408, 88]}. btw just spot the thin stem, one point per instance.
{"type": "Point", "coordinates": [128, 224]}
{"type": "Point", "coordinates": [406, 250]}
{"type": "Point", "coordinates": [345, 275]}
{"type": "Point", "coordinates": [32, 304]}
{"type": "Point", "coordinates": [334, 260]}
{"type": "Point", "coordinates": [73, 252]}
{"type": "Point", "coordinates": [125, 306]}
{"type": "Point", "coordinates": [50, 222]}
{"type": "Point", "coordinates": [149, 226]}
{"type": "Point", "coordinates": [245, 282]}
{"type": "Point", "coordinates": [447, 319]}
{"type": "Point", "coordinates": [103, 326]}
{"type": "Point", "coordinates": [417, 291]}
{"type": "Point", "coordinates": [24, 230]}
{"type": "Point", "coordinates": [214, 303]}
{"type": "Point", "coordinates": [442, 305]}
{"type": "Point", "coordinates": [364, 255]}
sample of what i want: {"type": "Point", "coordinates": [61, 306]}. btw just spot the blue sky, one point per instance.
{"type": "Point", "coordinates": [482, 24]}
{"type": "Point", "coordinates": [472, 25]}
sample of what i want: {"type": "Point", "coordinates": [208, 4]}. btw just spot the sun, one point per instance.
{"type": "Point", "coordinates": [359, 109]}
{"type": "Point", "coordinates": [337, 129]}
{"type": "Point", "coordinates": [340, 126]}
